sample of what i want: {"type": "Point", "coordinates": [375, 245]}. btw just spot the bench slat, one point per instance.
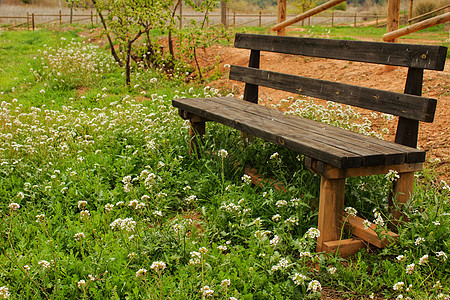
{"type": "Point", "coordinates": [404, 105]}
{"type": "Point", "coordinates": [405, 55]}
{"type": "Point", "coordinates": [394, 156]}
{"type": "Point", "coordinates": [258, 127]}
{"type": "Point", "coordinates": [268, 124]}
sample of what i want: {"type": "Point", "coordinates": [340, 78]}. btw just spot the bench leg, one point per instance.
{"type": "Point", "coordinates": [331, 210]}
{"type": "Point", "coordinates": [196, 131]}
{"type": "Point", "coordinates": [402, 191]}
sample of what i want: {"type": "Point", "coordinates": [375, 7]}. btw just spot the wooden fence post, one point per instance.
{"type": "Point", "coordinates": [28, 21]}
{"type": "Point", "coordinates": [376, 24]}
{"type": "Point", "coordinates": [60, 17]}
{"type": "Point", "coordinates": [92, 18]}
{"type": "Point", "coordinates": [282, 4]}
{"type": "Point", "coordinates": [234, 19]}
{"type": "Point", "coordinates": [260, 19]}
{"type": "Point", "coordinates": [410, 11]}
{"type": "Point", "coordinates": [32, 20]}
{"type": "Point", "coordinates": [332, 19]}
{"type": "Point", "coordinates": [71, 14]}
{"type": "Point", "coordinates": [309, 22]}
{"type": "Point", "coordinates": [354, 21]}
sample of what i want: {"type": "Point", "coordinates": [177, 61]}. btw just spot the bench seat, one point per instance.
{"type": "Point", "coordinates": [338, 147]}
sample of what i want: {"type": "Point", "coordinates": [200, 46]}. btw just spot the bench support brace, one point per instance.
{"type": "Point", "coordinates": [331, 210]}
{"type": "Point", "coordinates": [331, 206]}
{"type": "Point", "coordinates": [196, 132]}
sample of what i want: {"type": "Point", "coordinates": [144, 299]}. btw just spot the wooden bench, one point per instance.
{"type": "Point", "coordinates": [334, 153]}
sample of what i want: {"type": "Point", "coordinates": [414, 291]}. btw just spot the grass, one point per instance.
{"type": "Point", "coordinates": [99, 198]}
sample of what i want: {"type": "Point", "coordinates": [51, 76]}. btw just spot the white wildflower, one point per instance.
{"type": "Point", "coordinates": [274, 155]}
{"type": "Point", "coordinates": [351, 211]}
{"type": "Point", "coordinates": [399, 286]}
{"type": "Point", "coordinates": [223, 153]}
{"type": "Point", "coordinates": [419, 241]}
{"type": "Point", "coordinates": [141, 272]}
{"type": "Point", "coordinates": [332, 270]}
{"type": "Point", "coordinates": [313, 233]}
{"type": "Point", "coordinates": [423, 260]}
{"type": "Point", "coordinates": [207, 291]}
{"type": "Point", "coordinates": [299, 278]}
{"type": "Point", "coordinates": [158, 266]}
{"type": "Point", "coordinates": [314, 286]}
{"type": "Point", "coordinates": [81, 284]}
{"type": "Point", "coordinates": [410, 268]}
{"type": "Point", "coordinates": [246, 179]}
{"type": "Point", "coordinates": [14, 206]}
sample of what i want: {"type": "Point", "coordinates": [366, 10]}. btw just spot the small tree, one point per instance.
{"type": "Point", "coordinates": [125, 21]}
{"type": "Point", "coordinates": [198, 36]}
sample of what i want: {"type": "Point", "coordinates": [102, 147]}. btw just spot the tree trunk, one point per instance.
{"type": "Point", "coordinates": [111, 44]}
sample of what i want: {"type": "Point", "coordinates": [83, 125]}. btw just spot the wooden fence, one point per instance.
{"type": "Point", "coordinates": [31, 21]}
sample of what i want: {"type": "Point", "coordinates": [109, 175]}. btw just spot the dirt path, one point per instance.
{"type": "Point", "coordinates": [433, 137]}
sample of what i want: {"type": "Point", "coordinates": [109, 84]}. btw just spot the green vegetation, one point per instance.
{"type": "Point", "coordinates": [99, 198]}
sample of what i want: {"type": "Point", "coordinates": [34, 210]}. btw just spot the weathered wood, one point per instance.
{"type": "Point", "coordinates": [393, 17]}
{"type": "Point", "coordinates": [251, 90]}
{"type": "Point", "coordinates": [394, 34]}
{"type": "Point", "coordinates": [331, 209]}
{"type": "Point", "coordinates": [408, 106]}
{"type": "Point", "coordinates": [282, 8]}
{"type": "Point", "coordinates": [276, 133]}
{"type": "Point", "coordinates": [411, 19]}
{"type": "Point", "coordinates": [305, 15]}
{"type": "Point", "coordinates": [407, 128]}
{"type": "Point", "coordinates": [369, 235]}
{"type": "Point", "coordinates": [393, 153]}
{"type": "Point", "coordinates": [336, 146]}
{"type": "Point", "coordinates": [196, 132]}
{"type": "Point", "coordinates": [331, 172]}
{"type": "Point", "coordinates": [259, 180]}
{"type": "Point", "coordinates": [352, 138]}
{"type": "Point", "coordinates": [402, 192]}
{"type": "Point", "coordinates": [345, 248]}
{"type": "Point", "coordinates": [405, 55]}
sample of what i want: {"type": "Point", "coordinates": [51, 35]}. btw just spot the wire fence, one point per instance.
{"type": "Point", "coordinates": [31, 21]}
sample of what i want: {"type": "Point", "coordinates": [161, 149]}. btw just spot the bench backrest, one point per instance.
{"type": "Point", "coordinates": [409, 106]}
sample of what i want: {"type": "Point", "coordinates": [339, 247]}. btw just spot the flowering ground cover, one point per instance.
{"type": "Point", "coordinates": [100, 199]}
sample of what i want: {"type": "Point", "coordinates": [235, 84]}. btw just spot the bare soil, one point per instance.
{"type": "Point", "coordinates": [433, 137]}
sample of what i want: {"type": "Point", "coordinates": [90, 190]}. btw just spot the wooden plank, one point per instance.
{"type": "Point", "coordinates": [412, 155]}
{"type": "Point", "coordinates": [408, 106]}
{"type": "Point", "coordinates": [393, 17]}
{"type": "Point", "coordinates": [332, 172]}
{"type": "Point", "coordinates": [408, 129]}
{"type": "Point", "coordinates": [331, 209]}
{"type": "Point", "coordinates": [251, 90]}
{"type": "Point", "coordinates": [282, 8]}
{"type": "Point", "coordinates": [405, 55]}
{"type": "Point", "coordinates": [402, 192]}
{"type": "Point", "coordinates": [369, 235]}
{"type": "Point", "coordinates": [345, 248]}
{"type": "Point", "coordinates": [196, 132]}
{"type": "Point", "coordinates": [300, 134]}
{"type": "Point", "coordinates": [259, 180]}
{"type": "Point", "coordinates": [374, 154]}
{"type": "Point", "coordinates": [318, 9]}
{"type": "Point", "coordinates": [288, 131]}
{"type": "Point", "coordinates": [396, 33]}
{"type": "Point", "coordinates": [276, 134]}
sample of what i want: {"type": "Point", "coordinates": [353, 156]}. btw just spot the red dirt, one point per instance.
{"type": "Point", "coordinates": [433, 137]}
